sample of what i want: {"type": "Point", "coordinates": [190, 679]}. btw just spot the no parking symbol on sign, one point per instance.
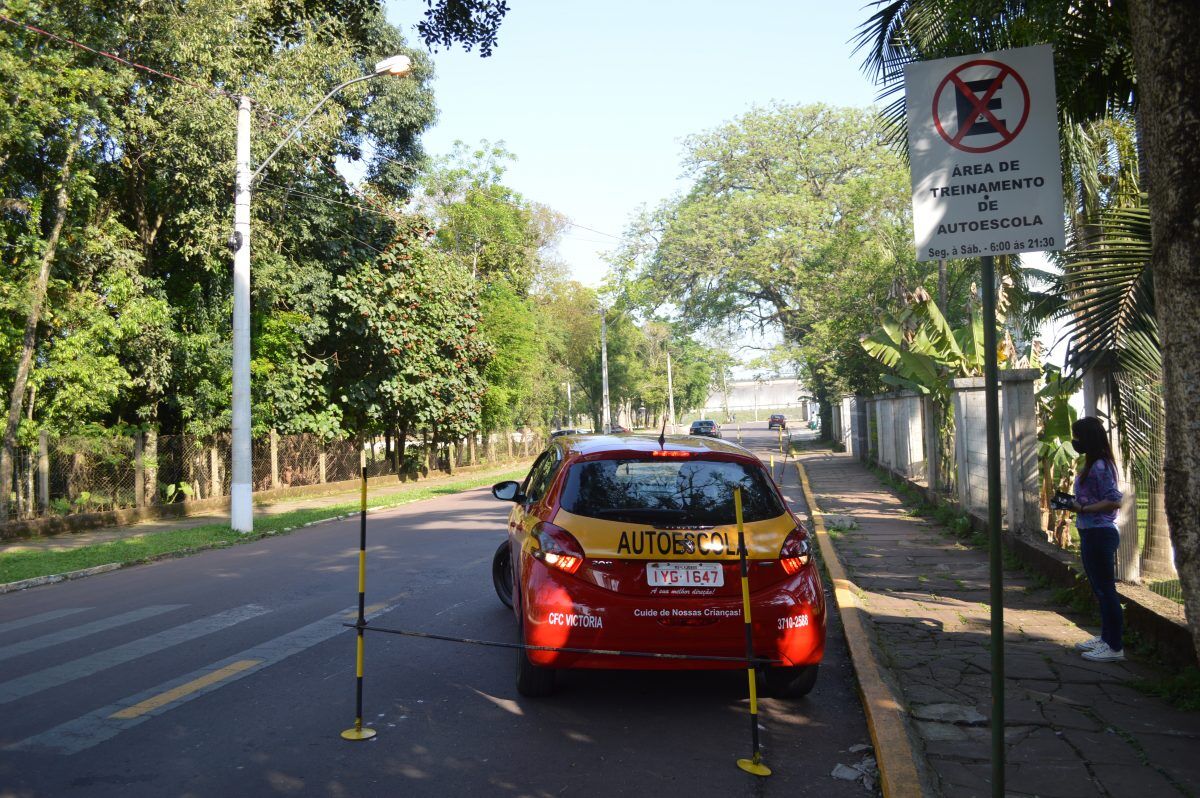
{"type": "Point", "coordinates": [983, 145]}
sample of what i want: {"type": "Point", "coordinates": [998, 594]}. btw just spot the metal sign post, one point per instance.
{"type": "Point", "coordinates": [991, 396]}
{"type": "Point", "coordinates": [986, 181]}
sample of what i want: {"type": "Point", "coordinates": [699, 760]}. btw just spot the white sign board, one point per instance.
{"type": "Point", "coordinates": [983, 145]}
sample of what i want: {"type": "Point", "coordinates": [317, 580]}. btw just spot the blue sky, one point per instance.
{"type": "Point", "coordinates": [595, 98]}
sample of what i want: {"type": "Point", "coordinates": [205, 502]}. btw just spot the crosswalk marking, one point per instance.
{"type": "Point", "coordinates": [83, 630]}
{"type": "Point", "coordinates": [23, 686]}
{"type": "Point", "coordinates": [107, 722]}
{"type": "Point", "coordinates": [176, 693]}
{"type": "Point", "coordinates": [21, 623]}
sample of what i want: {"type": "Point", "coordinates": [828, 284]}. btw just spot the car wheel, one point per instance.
{"type": "Point", "coordinates": [502, 576]}
{"type": "Point", "coordinates": [790, 682]}
{"type": "Point", "coordinates": [533, 681]}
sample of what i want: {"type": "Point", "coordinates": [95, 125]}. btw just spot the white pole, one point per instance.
{"type": "Point", "coordinates": [241, 516]}
{"type": "Point", "coordinates": [670, 396]}
{"type": "Point", "coordinates": [725, 394]}
{"type": "Point", "coordinates": [570, 410]}
{"type": "Point", "coordinates": [606, 418]}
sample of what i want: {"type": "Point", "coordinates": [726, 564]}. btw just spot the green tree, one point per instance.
{"type": "Point", "coordinates": [411, 352]}
{"type": "Point", "coordinates": [1125, 60]}
{"type": "Point", "coordinates": [792, 208]}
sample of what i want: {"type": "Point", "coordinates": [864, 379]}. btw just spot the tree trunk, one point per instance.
{"type": "Point", "coordinates": [401, 441]}
{"type": "Point", "coordinates": [1156, 552]}
{"type": "Point", "coordinates": [34, 316]}
{"type": "Point", "coordinates": [1166, 49]}
{"type": "Point", "coordinates": [151, 457]}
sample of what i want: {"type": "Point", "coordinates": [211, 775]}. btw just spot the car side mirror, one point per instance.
{"type": "Point", "coordinates": [507, 491]}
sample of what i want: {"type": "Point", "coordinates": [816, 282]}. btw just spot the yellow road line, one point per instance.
{"type": "Point", "coordinates": [162, 699]}
{"type": "Point", "coordinates": [367, 610]}
{"type": "Point", "coordinates": [885, 712]}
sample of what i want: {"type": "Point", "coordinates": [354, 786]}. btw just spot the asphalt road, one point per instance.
{"type": "Point", "coordinates": [229, 673]}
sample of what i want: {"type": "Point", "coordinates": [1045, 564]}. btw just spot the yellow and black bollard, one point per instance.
{"type": "Point", "coordinates": [780, 430]}
{"type": "Point", "coordinates": [359, 732]}
{"type": "Point", "coordinates": [754, 765]}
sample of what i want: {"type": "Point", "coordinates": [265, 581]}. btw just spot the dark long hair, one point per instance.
{"type": "Point", "coordinates": [1090, 432]}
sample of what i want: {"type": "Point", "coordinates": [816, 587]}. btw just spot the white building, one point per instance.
{"type": "Point", "coordinates": [750, 399]}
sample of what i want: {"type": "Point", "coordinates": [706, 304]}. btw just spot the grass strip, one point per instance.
{"type": "Point", "coordinates": [18, 565]}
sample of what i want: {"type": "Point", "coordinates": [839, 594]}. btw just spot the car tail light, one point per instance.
{"type": "Point", "coordinates": [795, 552]}
{"type": "Point", "coordinates": [669, 453]}
{"type": "Point", "coordinates": [557, 548]}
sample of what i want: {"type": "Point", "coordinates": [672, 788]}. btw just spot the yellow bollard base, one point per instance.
{"type": "Point", "coordinates": [754, 767]}
{"type": "Point", "coordinates": [358, 734]}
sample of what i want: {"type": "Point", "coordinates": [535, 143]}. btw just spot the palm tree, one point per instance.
{"type": "Point", "coordinates": [1122, 60]}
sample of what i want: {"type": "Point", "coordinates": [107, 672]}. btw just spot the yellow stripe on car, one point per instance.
{"type": "Point", "coordinates": [619, 539]}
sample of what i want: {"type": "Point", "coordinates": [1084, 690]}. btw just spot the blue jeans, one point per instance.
{"type": "Point", "coordinates": [1098, 550]}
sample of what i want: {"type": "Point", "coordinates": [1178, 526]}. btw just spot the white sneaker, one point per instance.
{"type": "Point", "coordinates": [1088, 645]}
{"type": "Point", "coordinates": [1102, 653]}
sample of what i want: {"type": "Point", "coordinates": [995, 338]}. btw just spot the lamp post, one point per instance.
{"type": "Point", "coordinates": [670, 395]}
{"type": "Point", "coordinates": [241, 514]}
{"type": "Point", "coordinates": [606, 420]}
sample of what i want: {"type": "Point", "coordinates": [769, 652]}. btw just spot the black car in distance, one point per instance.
{"type": "Point", "coordinates": [707, 427]}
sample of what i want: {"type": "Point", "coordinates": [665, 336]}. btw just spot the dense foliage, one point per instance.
{"type": "Point", "coordinates": [798, 221]}
{"type": "Point", "coordinates": [446, 316]}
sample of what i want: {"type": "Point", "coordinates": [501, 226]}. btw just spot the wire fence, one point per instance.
{"type": "Point", "coordinates": [73, 474]}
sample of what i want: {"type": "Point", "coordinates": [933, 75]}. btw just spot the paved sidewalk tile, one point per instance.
{"type": "Point", "coordinates": [1073, 727]}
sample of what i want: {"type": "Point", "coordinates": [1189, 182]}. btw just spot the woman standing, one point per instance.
{"type": "Point", "coordinates": [1097, 500]}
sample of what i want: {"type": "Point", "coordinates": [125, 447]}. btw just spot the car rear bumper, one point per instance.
{"type": "Point", "coordinates": [561, 611]}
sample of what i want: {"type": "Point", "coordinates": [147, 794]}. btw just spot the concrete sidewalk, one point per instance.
{"type": "Point", "coordinates": [71, 540]}
{"type": "Point", "coordinates": [1073, 727]}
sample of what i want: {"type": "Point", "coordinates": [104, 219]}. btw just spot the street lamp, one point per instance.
{"type": "Point", "coordinates": [606, 418]}
{"type": "Point", "coordinates": [241, 514]}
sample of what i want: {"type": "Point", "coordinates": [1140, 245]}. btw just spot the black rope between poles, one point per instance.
{"type": "Point", "coordinates": [605, 652]}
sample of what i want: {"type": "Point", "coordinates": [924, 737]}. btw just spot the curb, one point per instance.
{"type": "Point", "coordinates": [50, 579]}
{"type": "Point", "coordinates": [885, 712]}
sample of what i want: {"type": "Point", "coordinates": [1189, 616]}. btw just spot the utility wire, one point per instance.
{"type": "Point", "coordinates": [114, 57]}
{"type": "Point", "coordinates": [287, 189]}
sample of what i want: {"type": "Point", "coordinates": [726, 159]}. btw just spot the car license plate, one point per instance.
{"type": "Point", "coordinates": [685, 574]}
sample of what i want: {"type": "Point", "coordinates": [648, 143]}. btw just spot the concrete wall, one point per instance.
{"type": "Point", "coordinates": [899, 436]}
{"type": "Point", "coordinates": [1018, 437]}
{"type": "Point", "coordinates": [859, 427]}
{"type": "Point", "coordinates": [843, 423]}
{"type": "Point", "coordinates": [904, 436]}
{"type": "Point", "coordinates": [970, 445]}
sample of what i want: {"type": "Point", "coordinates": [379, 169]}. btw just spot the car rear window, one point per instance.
{"type": "Point", "coordinates": [668, 492]}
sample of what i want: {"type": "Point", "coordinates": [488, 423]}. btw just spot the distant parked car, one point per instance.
{"type": "Point", "coordinates": [617, 429]}
{"type": "Point", "coordinates": [705, 426]}
{"type": "Point", "coordinates": [560, 432]}
{"type": "Point", "coordinates": [777, 420]}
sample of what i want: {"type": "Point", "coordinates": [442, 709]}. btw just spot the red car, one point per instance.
{"type": "Point", "coordinates": [620, 543]}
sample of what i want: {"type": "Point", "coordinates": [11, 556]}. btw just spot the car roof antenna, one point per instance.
{"type": "Point", "coordinates": [662, 436]}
